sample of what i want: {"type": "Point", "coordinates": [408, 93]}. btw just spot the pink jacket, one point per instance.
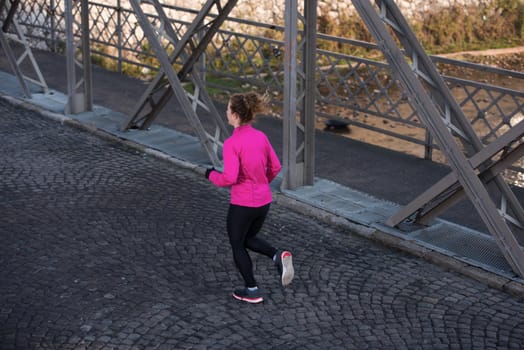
{"type": "Point", "coordinates": [250, 164]}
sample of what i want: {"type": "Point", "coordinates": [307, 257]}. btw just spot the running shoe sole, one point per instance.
{"type": "Point", "coordinates": [288, 272]}
{"type": "Point", "coordinates": [248, 300]}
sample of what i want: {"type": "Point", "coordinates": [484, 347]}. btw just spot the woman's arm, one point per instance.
{"type": "Point", "coordinates": [231, 168]}
{"type": "Point", "coordinates": [273, 165]}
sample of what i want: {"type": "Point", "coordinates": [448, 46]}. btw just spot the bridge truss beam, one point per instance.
{"type": "Point", "coordinates": [168, 82]}
{"type": "Point", "coordinates": [79, 86]}
{"type": "Point", "coordinates": [9, 21]}
{"type": "Point", "coordinates": [444, 118]}
{"type": "Point", "coordinates": [299, 94]}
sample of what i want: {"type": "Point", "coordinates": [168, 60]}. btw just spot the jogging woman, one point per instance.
{"type": "Point", "coordinates": [250, 164]}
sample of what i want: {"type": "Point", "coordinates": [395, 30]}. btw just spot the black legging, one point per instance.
{"type": "Point", "coordinates": [243, 224]}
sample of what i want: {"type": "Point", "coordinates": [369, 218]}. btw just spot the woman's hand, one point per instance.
{"type": "Point", "coordinates": [208, 171]}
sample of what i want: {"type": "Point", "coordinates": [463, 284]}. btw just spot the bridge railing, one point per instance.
{"type": "Point", "coordinates": [351, 86]}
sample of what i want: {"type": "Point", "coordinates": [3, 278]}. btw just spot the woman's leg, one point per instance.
{"type": "Point", "coordinates": [254, 243]}
{"type": "Point", "coordinates": [283, 260]}
{"type": "Point", "coordinates": [238, 224]}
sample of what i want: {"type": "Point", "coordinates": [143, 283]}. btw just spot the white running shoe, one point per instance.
{"type": "Point", "coordinates": [285, 267]}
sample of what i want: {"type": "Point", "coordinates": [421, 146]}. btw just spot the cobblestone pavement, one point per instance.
{"type": "Point", "coordinates": [102, 247]}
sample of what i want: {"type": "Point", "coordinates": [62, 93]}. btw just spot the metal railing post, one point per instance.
{"type": "Point", "coordinates": [299, 95]}
{"type": "Point", "coordinates": [78, 100]}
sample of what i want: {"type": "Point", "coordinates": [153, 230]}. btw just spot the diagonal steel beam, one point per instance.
{"type": "Point", "coordinates": [10, 14]}
{"type": "Point", "coordinates": [194, 75]}
{"type": "Point", "coordinates": [174, 82]}
{"type": "Point", "coordinates": [18, 37]}
{"type": "Point", "coordinates": [453, 115]}
{"type": "Point", "coordinates": [449, 183]}
{"type": "Point", "coordinates": [435, 117]}
{"type": "Point", "coordinates": [190, 49]}
{"type": "Point", "coordinates": [487, 176]}
{"type": "Point", "coordinates": [13, 63]}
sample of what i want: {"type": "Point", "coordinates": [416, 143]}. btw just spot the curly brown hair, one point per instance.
{"type": "Point", "coordinates": [247, 105]}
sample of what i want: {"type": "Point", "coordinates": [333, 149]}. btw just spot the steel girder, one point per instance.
{"type": "Point", "coordinates": [444, 118]}
{"type": "Point", "coordinates": [79, 89]}
{"type": "Point", "coordinates": [299, 94]}
{"type": "Point", "coordinates": [10, 8]}
{"type": "Point", "coordinates": [448, 191]}
{"type": "Point", "coordinates": [189, 49]}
